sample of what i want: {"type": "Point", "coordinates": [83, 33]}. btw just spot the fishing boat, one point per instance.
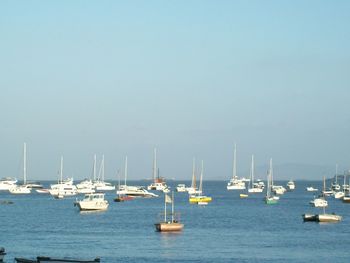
{"type": "Point", "coordinates": [172, 225]}
{"type": "Point", "coordinates": [198, 198]}
{"type": "Point", "coordinates": [253, 187]}
{"type": "Point", "coordinates": [22, 189]}
{"type": "Point", "coordinates": [93, 202]}
{"type": "Point", "coordinates": [270, 199]}
{"type": "Point", "coordinates": [56, 260]}
{"type": "Point", "coordinates": [2, 254]}
{"type": "Point", "coordinates": [235, 183]}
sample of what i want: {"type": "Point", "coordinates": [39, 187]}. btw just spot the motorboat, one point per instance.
{"type": "Point", "coordinates": [311, 189]}
{"type": "Point", "coordinates": [2, 254]}
{"type": "Point", "coordinates": [122, 198]}
{"type": "Point", "coordinates": [135, 191]}
{"type": "Point", "coordinates": [319, 202]}
{"type": "Point", "coordinates": [169, 225]}
{"type": "Point", "coordinates": [278, 189]}
{"type": "Point", "coordinates": [346, 199]}
{"type": "Point", "coordinates": [85, 184]}
{"type": "Point", "coordinates": [56, 260]}
{"type": "Point", "coordinates": [7, 183]}
{"type": "Point", "coordinates": [20, 189]}
{"type": "Point", "coordinates": [93, 202]}
{"type": "Point", "coordinates": [104, 186]}
{"type": "Point", "coordinates": [63, 191]}
{"type": "Point", "coordinates": [181, 188]}
{"type": "Point", "coordinates": [290, 186]}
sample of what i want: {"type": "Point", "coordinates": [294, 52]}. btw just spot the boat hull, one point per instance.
{"type": "Point", "coordinates": [169, 227]}
{"type": "Point", "coordinates": [55, 260]}
{"type": "Point", "coordinates": [328, 218]}
{"type": "Point", "coordinates": [271, 201]}
{"type": "Point", "coordinates": [197, 199]}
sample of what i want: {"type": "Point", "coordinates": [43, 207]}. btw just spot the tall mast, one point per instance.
{"type": "Point", "coordinates": [252, 172]}
{"type": "Point", "coordinates": [155, 165]}
{"type": "Point", "coordinates": [234, 171]}
{"type": "Point", "coordinates": [165, 195]}
{"type": "Point", "coordinates": [336, 173]}
{"type": "Point", "coordinates": [94, 167]}
{"type": "Point", "coordinates": [103, 168]}
{"type": "Point", "coordinates": [61, 169]}
{"type": "Point", "coordinates": [24, 163]}
{"type": "Point", "coordinates": [172, 206]}
{"type": "Point", "coordinates": [126, 168]}
{"type": "Point", "coordinates": [201, 178]}
{"type": "Point", "coordinates": [193, 185]}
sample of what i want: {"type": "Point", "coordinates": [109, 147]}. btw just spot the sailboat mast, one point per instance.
{"type": "Point", "coordinates": [103, 168]}
{"type": "Point", "coordinates": [172, 206]}
{"type": "Point", "coordinates": [165, 195]}
{"type": "Point", "coordinates": [336, 173]}
{"type": "Point", "coordinates": [201, 178]}
{"type": "Point", "coordinates": [155, 165]}
{"type": "Point", "coordinates": [251, 182]}
{"type": "Point", "coordinates": [94, 168]}
{"type": "Point", "coordinates": [126, 169]}
{"type": "Point", "coordinates": [24, 163]}
{"type": "Point", "coordinates": [61, 169]}
{"type": "Point", "coordinates": [234, 169]}
{"type": "Point", "coordinates": [193, 185]}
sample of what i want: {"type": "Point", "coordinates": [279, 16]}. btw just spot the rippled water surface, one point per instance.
{"type": "Point", "coordinates": [229, 229]}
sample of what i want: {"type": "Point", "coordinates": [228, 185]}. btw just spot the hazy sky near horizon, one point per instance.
{"type": "Point", "coordinates": [188, 77]}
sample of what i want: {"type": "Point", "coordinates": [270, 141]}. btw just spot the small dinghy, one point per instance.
{"type": "Point", "coordinates": [55, 260]}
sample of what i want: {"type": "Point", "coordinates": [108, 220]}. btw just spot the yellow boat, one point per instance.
{"type": "Point", "coordinates": [243, 195]}
{"type": "Point", "coordinates": [195, 199]}
{"type": "Point", "coordinates": [199, 198]}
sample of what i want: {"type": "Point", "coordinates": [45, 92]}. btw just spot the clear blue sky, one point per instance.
{"type": "Point", "coordinates": [188, 77]}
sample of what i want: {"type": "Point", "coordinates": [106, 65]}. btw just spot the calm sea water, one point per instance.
{"type": "Point", "coordinates": [229, 229]}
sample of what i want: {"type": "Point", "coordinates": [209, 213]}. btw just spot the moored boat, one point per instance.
{"type": "Point", "coordinates": [56, 260]}
{"type": "Point", "coordinates": [93, 202]}
{"type": "Point", "coordinates": [328, 218]}
{"type": "Point", "coordinates": [2, 254]}
{"type": "Point", "coordinates": [172, 225]}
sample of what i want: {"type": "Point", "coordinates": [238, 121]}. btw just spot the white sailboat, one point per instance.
{"type": "Point", "coordinates": [235, 183]}
{"type": "Point", "coordinates": [133, 191]}
{"type": "Point", "coordinates": [193, 188]}
{"type": "Point", "coordinates": [22, 189]}
{"type": "Point", "coordinates": [254, 187]}
{"type": "Point", "coordinates": [199, 198]}
{"type": "Point", "coordinates": [270, 199]}
{"type": "Point", "coordinates": [100, 184]}
{"type": "Point", "coordinates": [321, 200]}
{"type": "Point", "coordinates": [87, 186]}
{"type": "Point", "coordinates": [63, 187]}
{"type": "Point", "coordinates": [158, 183]}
